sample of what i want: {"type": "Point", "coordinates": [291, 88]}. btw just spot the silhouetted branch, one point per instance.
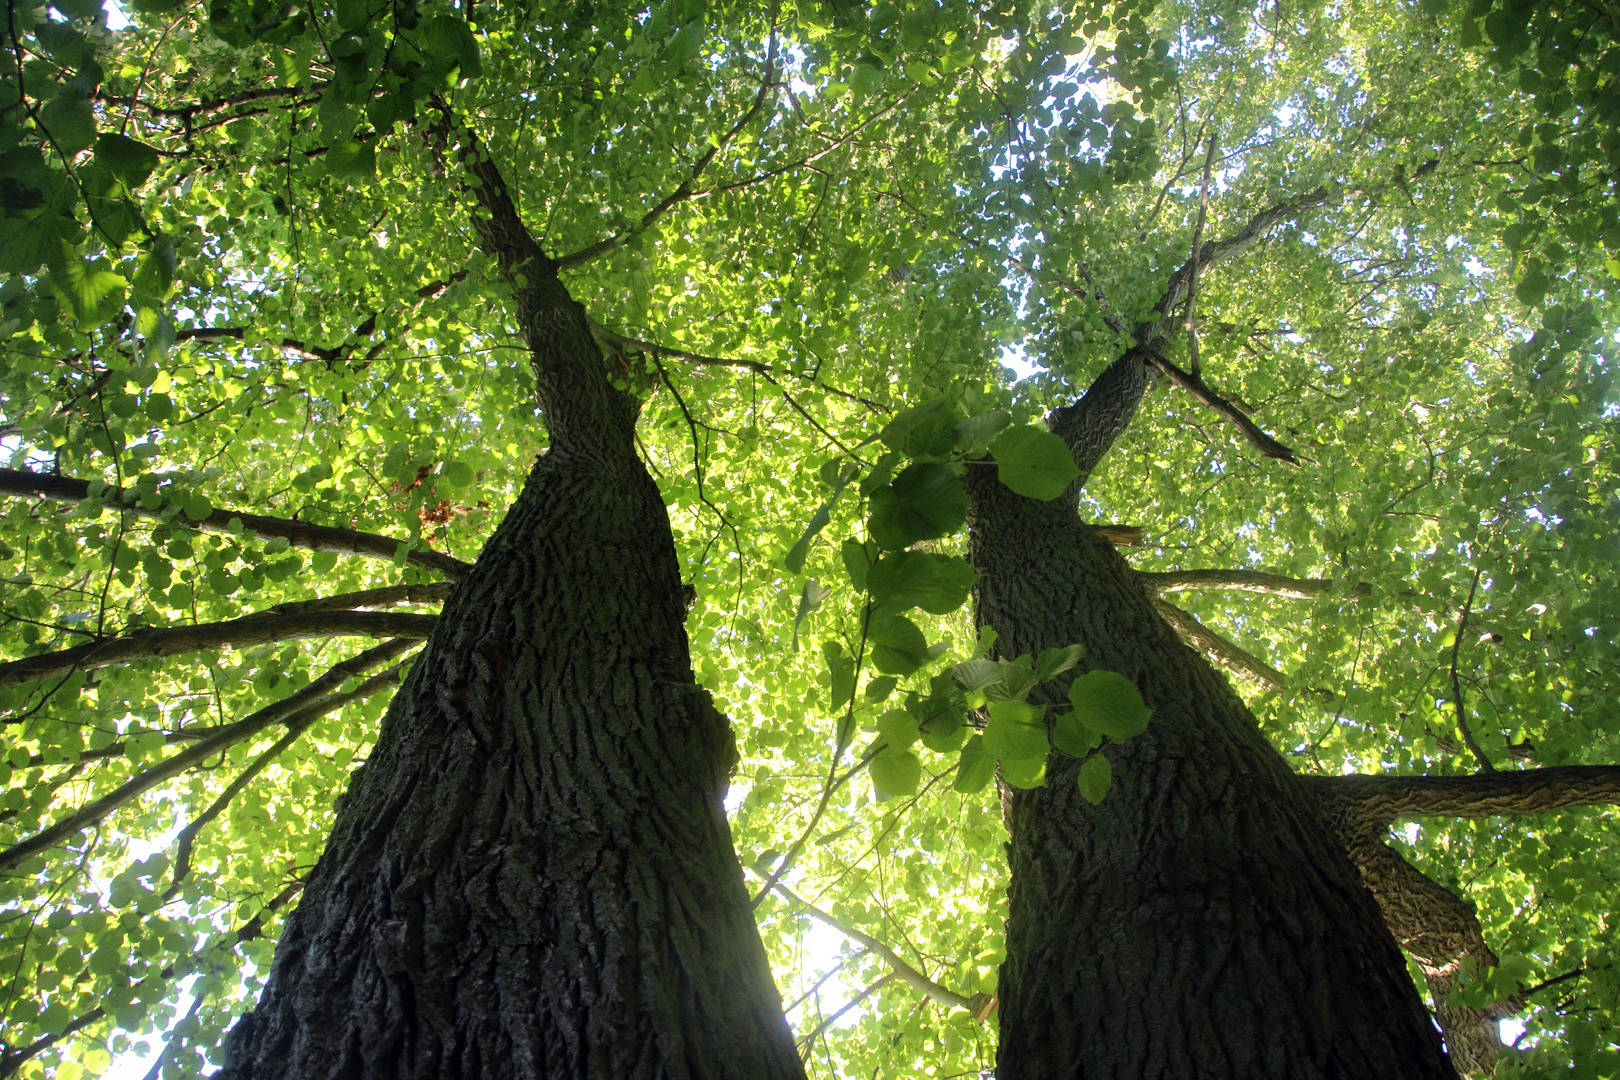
{"type": "Point", "coordinates": [1218, 649]}
{"type": "Point", "coordinates": [257, 629]}
{"type": "Point", "coordinates": [303, 706]}
{"type": "Point", "coordinates": [299, 534]}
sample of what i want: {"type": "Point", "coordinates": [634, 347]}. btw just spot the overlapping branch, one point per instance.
{"type": "Point", "coordinates": [1250, 581]}
{"type": "Point", "coordinates": [302, 707]}
{"type": "Point", "coordinates": [1091, 425]}
{"type": "Point", "coordinates": [299, 534]}
{"type": "Point", "coordinates": [1437, 927]}
{"type": "Point", "coordinates": [296, 726]}
{"type": "Point", "coordinates": [1162, 317]}
{"type": "Point", "coordinates": [980, 1005]}
{"type": "Point", "coordinates": [1218, 648]}
{"type": "Point", "coordinates": [618, 342]}
{"type": "Point", "coordinates": [688, 187]}
{"type": "Point", "coordinates": [1440, 931]}
{"type": "Point", "coordinates": [260, 629]}
{"type": "Point", "coordinates": [12, 1060]}
{"type": "Point", "coordinates": [1375, 802]}
{"type": "Point", "coordinates": [1195, 385]}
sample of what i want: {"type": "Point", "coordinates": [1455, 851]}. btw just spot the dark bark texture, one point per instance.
{"type": "Point", "coordinates": [1440, 931]}
{"type": "Point", "coordinates": [1202, 921]}
{"type": "Point", "coordinates": [533, 875]}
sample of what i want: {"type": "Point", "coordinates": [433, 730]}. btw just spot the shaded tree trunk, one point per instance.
{"type": "Point", "coordinates": [533, 875]}
{"type": "Point", "coordinates": [1203, 921]}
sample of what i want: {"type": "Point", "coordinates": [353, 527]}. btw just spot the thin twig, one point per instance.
{"type": "Point", "coordinates": [1456, 683]}
{"type": "Point", "coordinates": [1192, 281]}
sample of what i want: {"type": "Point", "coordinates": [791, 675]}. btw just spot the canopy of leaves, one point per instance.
{"type": "Point", "coordinates": [239, 279]}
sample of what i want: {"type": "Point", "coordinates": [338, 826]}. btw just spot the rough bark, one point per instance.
{"type": "Point", "coordinates": [1203, 921]}
{"type": "Point", "coordinates": [1435, 925]}
{"type": "Point", "coordinates": [1441, 932]}
{"type": "Point", "coordinates": [1368, 805]}
{"type": "Point", "coordinates": [1219, 649]}
{"type": "Point", "coordinates": [533, 876]}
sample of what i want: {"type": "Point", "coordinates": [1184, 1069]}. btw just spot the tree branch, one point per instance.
{"type": "Point", "coordinates": [1456, 681]}
{"type": "Point", "coordinates": [1150, 330]}
{"type": "Point", "coordinates": [257, 629]}
{"type": "Point", "coordinates": [1194, 384]}
{"type": "Point", "coordinates": [810, 1039]}
{"type": "Point", "coordinates": [906, 973]}
{"type": "Point", "coordinates": [295, 728]}
{"type": "Point", "coordinates": [1376, 802]}
{"type": "Point", "coordinates": [431, 593]}
{"type": "Point", "coordinates": [1192, 280]}
{"type": "Point", "coordinates": [1093, 424]}
{"type": "Point", "coordinates": [628, 344]}
{"type": "Point", "coordinates": [1251, 581]}
{"type": "Point", "coordinates": [688, 187]}
{"type": "Point", "coordinates": [585, 414]}
{"type": "Point", "coordinates": [1440, 931]}
{"type": "Point", "coordinates": [303, 706]}
{"type": "Point", "coordinates": [299, 534]}
{"type": "Point", "coordinates": [1218, 649]}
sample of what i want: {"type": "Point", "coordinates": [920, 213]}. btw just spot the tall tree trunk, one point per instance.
{"type": "Point", "coordinates": [533, 875]}
{"type": "Point", "coordinates": [1202, 921]}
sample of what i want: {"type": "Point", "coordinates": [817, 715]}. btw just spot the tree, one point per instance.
{"type": "Point", "coordinates": [538, 818]}
{"type": "Point", "coordinates": [791, 232]}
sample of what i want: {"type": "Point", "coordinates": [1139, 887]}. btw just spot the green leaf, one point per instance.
{"type": "Point", "coordinates": [977, 674]}
{"type": "Point", "coordinates": [129, 160]}
{"type": "Point", "coordinates": [1034, 462]}
{"type": "Point", "coordinates": [1029, 773]}
{"type": "Point", "coordinates": [939, 584]}
{"type": "Point", "coordinates": [896, 772]}
{"type": "Point", "coordinates": [898, 728]}
{"type": "Point", "coordinates": [975, 434]}
{"type": "Point", "coordinates": [818, 521]}
{"type": "Point", "coordinates": [898, 646]}
{"type": "Point", "coordinates": [154, 275]}
{"type": "Point", "coordinates": [1072, 737]}
{"type": "Point", "coordinates": [945, 730]}
{"type": "Point", "coordinates": [1016, 732]}
{"type": "Point", "coordinates": [857, 563]}
{"type": "Point", "coordinates": [925, 502]}
{"type": "Point", "coordinates": [880, 688]}
{"type": "Point", "coordinates": [841, 675]}
{"type": "Point", "coordinates": [89, 290]}
{"type": "Point", "coordinates": [810, 598]}
{"type": "Point", "coordinates": [457, 473]}
{"type": "Point", "coordinates": [1532, 287]}
{"type": "Point", "coordinates": [1096, 776]}
{"type": "Point", "coordinates": [351, 14]}
{"type": "Point", "coordinates": [451, 38]}
{"type": "Point", "coordinates": [923, 431]}
{"type": "Point", "coordinates": [1110, 704]}
{"type": "Point", "coordinates": [976, 767]}
{"type": "Point", "coordinates": [351, 161]}
{"type": "Point", "coordinates": [70, 121]}
{"type": "Point", "coordinates": [1054, 662]}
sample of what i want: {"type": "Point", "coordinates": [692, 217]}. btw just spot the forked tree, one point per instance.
{"type": "Point", "coordinates": [291, 304]}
